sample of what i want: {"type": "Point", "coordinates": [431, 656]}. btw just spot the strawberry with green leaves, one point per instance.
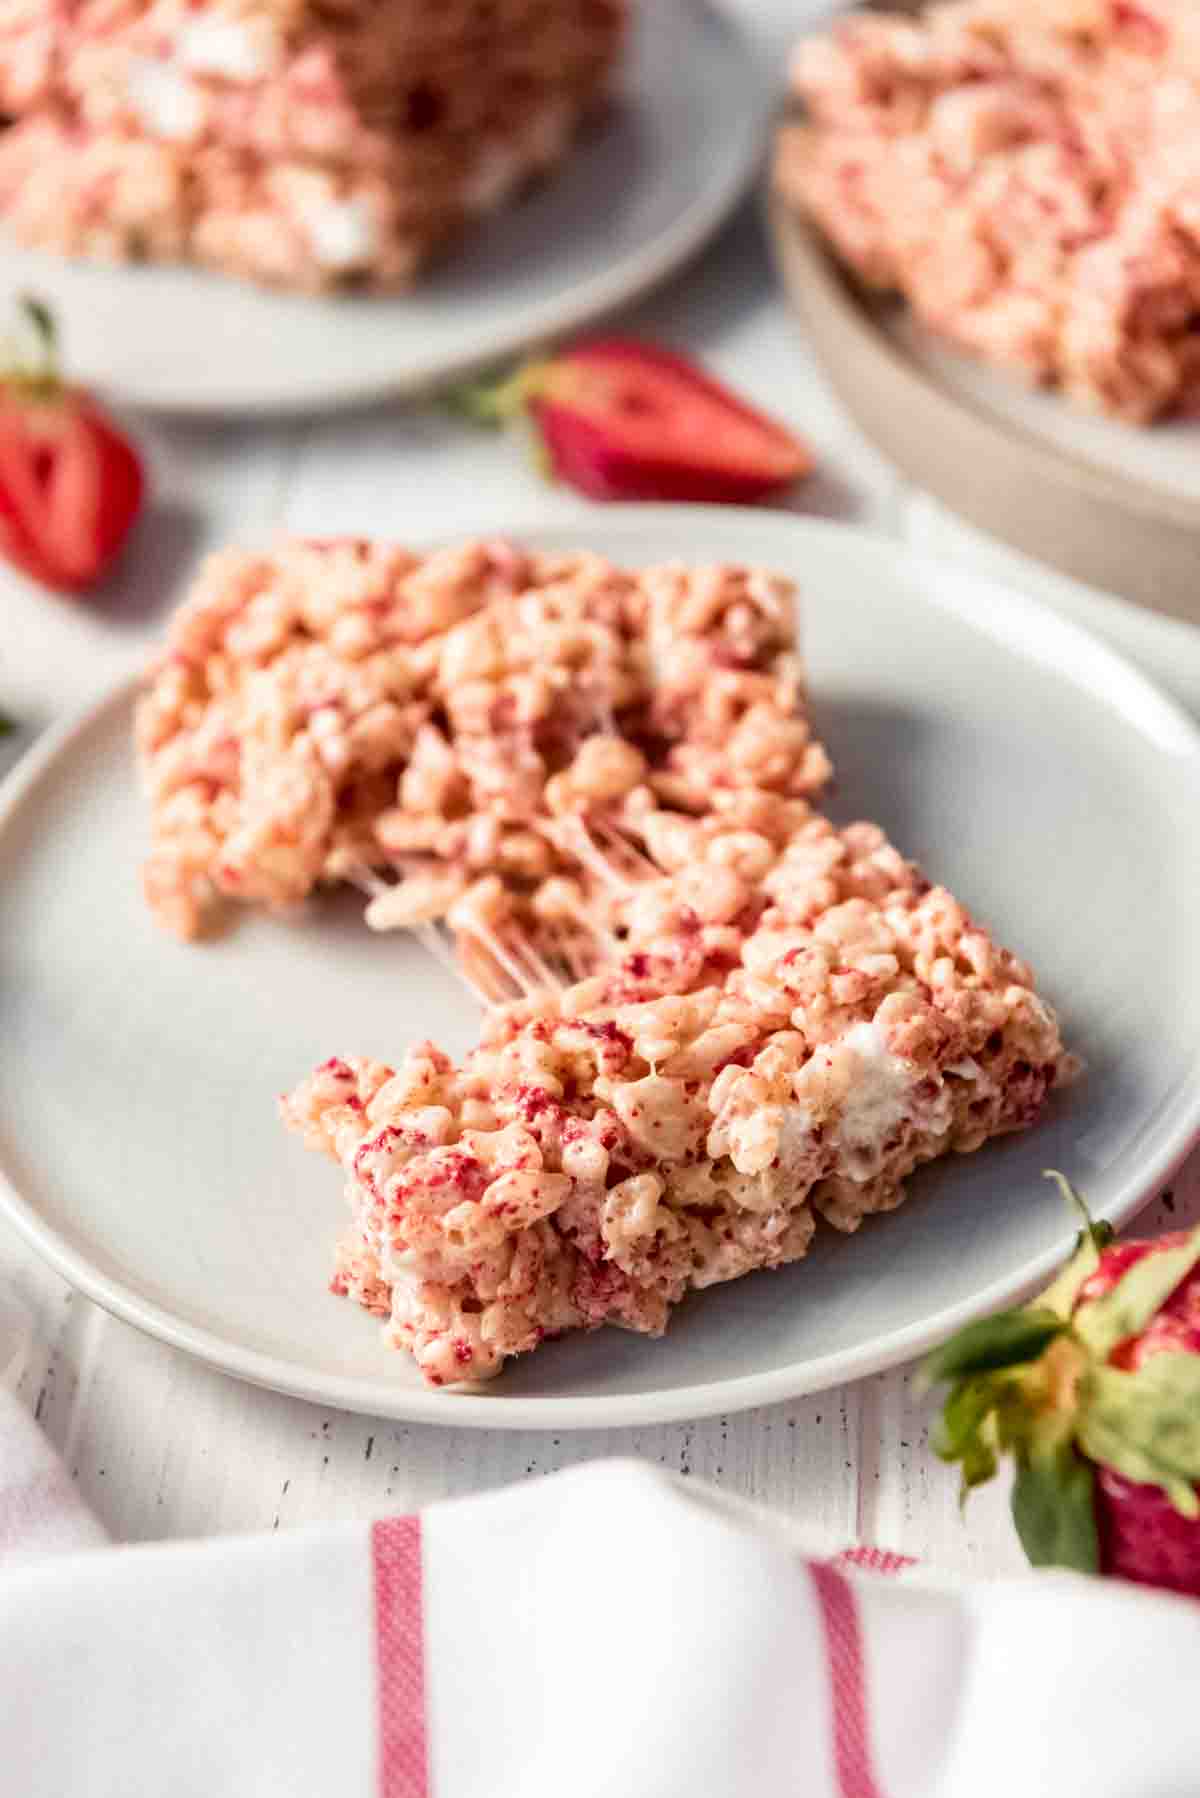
{"type": "Point", "coordinates": [1094, 1390]}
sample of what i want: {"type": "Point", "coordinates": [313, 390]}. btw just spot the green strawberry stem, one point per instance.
{"type": "Point", "coordinates": [499, 401]}
{"type": "Point", "coordinates": [1035, 1383]}
{"type": "Point", "coordinates": [31, 359]}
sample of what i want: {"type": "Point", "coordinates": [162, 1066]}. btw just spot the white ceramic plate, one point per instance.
{"type": "Point", "coordinates": [1109, 505]}
{"type": "Point", "coordinates": [1037, 774]}
{"type": "Point", "coordinates": [643, 192]}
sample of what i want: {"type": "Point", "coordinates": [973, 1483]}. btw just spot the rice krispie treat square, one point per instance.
{"type": "Point", "coordinates": [665, 1125]}
{"type": "Point", "coordinates": [476, 722]}
{"type": "Point", "coordinates": [290, 77]}
{"type": "Point", "coordinates": [283, 141]}
{"type": "Point", "coordinates": [311, 227]}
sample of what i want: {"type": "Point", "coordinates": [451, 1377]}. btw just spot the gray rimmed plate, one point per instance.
{"type": "Point", "coordinates": [643, 191]}
{"type": "Point", "coordinates": [1036, 773]}
{"type": "Point", "coordinates": [1104, 502]}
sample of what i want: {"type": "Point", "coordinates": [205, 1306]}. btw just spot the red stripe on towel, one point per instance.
{"type": "Point", "coordinates": [400, 1658]}
{"type": "Point", "coordinates": [847, 1684]}
{"type": "Point", "coordinates": [873, 1560]}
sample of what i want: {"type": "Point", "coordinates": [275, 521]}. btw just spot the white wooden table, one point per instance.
{"type": "Point", "coordinates": [161, 1446]}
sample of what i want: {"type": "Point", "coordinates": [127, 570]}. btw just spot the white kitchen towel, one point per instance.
{"type": "Point", "coordinates": [40, 1510]}
{"type": "Point", "coordinates": [605, 1633]}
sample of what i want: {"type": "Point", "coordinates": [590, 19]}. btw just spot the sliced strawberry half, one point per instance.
{"type": "Point", "coordinates": [71, 485]}
{"type": "Point", "coordinates": [620, 420]}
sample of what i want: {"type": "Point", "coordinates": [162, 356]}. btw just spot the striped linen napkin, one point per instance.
{"type": "Point", "coordinates": [609, 1632]}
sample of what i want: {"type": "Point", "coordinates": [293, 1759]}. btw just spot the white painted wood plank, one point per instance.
{"type": "Point", "coordinates": [161, 1446]}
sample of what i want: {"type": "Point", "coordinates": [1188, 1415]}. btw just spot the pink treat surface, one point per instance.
{"type": "Point", "coordinates": [480, 724]}
{"type": "Point", "coordinates": [1026, 175]}
{"type": "Point", "coordinates": [301, 145]}
{"type": "Point", "coordinates": [665, 1125]}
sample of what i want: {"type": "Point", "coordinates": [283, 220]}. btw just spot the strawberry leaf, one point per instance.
{"type": "Point", "coordinates": [1053, 1508]}
{"type": "Point", "coordinates": [41, 322]}
{"type": "Point", "coordinates": [1101, 1234]}
{"type": "Point", "coordinates": [1146, 1425]}
{"type": "Point", "coordinates": [1138, 1296]}
{"type": "Point", "coordinates": [30, 361]}
{"type": "Point", "coordinates": [965, 1432]}
{"type": "Point", "coordinates": [1009, 1339]}
{"type": "Point", "coordinates": [7, 725]}
{"type": "Point", "coordinates": [1093, 1239]}
{"type": "Point", "coordinates": [480, 402]}
{"type": "Point", "coordinates": [497, 403]}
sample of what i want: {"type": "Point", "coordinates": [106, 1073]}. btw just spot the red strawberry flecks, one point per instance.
{"type": "Point", "coordinates": [1143, 1537]}
{"type": "Point", "coordinates": [1095, 1392]}
{"type": "Point", "coordinates": [619, 419]}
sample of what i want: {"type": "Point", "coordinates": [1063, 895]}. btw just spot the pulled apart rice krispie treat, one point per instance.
{"type": "Point", "coordinates": [1026, 173]}
{"type": "Point", "coordinates": [512, 738]}
{"type": "Point", "coordinates": [796, 1021]}
{"type": "Point", "coordinates": [290, 142]}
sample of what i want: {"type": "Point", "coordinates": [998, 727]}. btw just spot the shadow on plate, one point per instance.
{"type": "Point", "coordinates": [874, 747]}
{"type": "Point", "coordinates": [161, 554]}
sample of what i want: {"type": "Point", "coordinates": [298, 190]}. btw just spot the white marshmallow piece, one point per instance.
{"type": "Point", "coordinates": [165, 101]}
{"type": "Point", "coordinates": [342, 233]}
{"type": "Point", "coordinates": [222, 47]}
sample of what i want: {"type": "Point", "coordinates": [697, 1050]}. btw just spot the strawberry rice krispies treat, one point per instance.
{"type": "Point", "coordinates": [119, 196]}
{"type": "Point", "coordinates": [477, 723]}
{"type": "Point", "coordinates": [773, 1047]}
{"type": "Point", "coordinates": [353, 141]}
{"type": "Point", "coordinates": [1026, 176]}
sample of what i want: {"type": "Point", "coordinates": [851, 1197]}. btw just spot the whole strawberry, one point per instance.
{"type": "Point", "coordinates": [1094, 1390]}
{"type": "Point", "coordinates": [71, 485]}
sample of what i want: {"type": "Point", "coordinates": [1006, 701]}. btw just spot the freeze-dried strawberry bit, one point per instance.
{"type": "Point", "coordinates": [640, 1145]}
{"type": "Point", "coordinates": [1095, 1390]}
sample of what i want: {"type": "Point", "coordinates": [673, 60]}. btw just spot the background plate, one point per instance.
{"type": "Point", "coordinates": [1043, 779]}
{"type": "Point", "coordinates": [1105, 502]}
{"type": "Point", "coordinates": [644, 190]}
